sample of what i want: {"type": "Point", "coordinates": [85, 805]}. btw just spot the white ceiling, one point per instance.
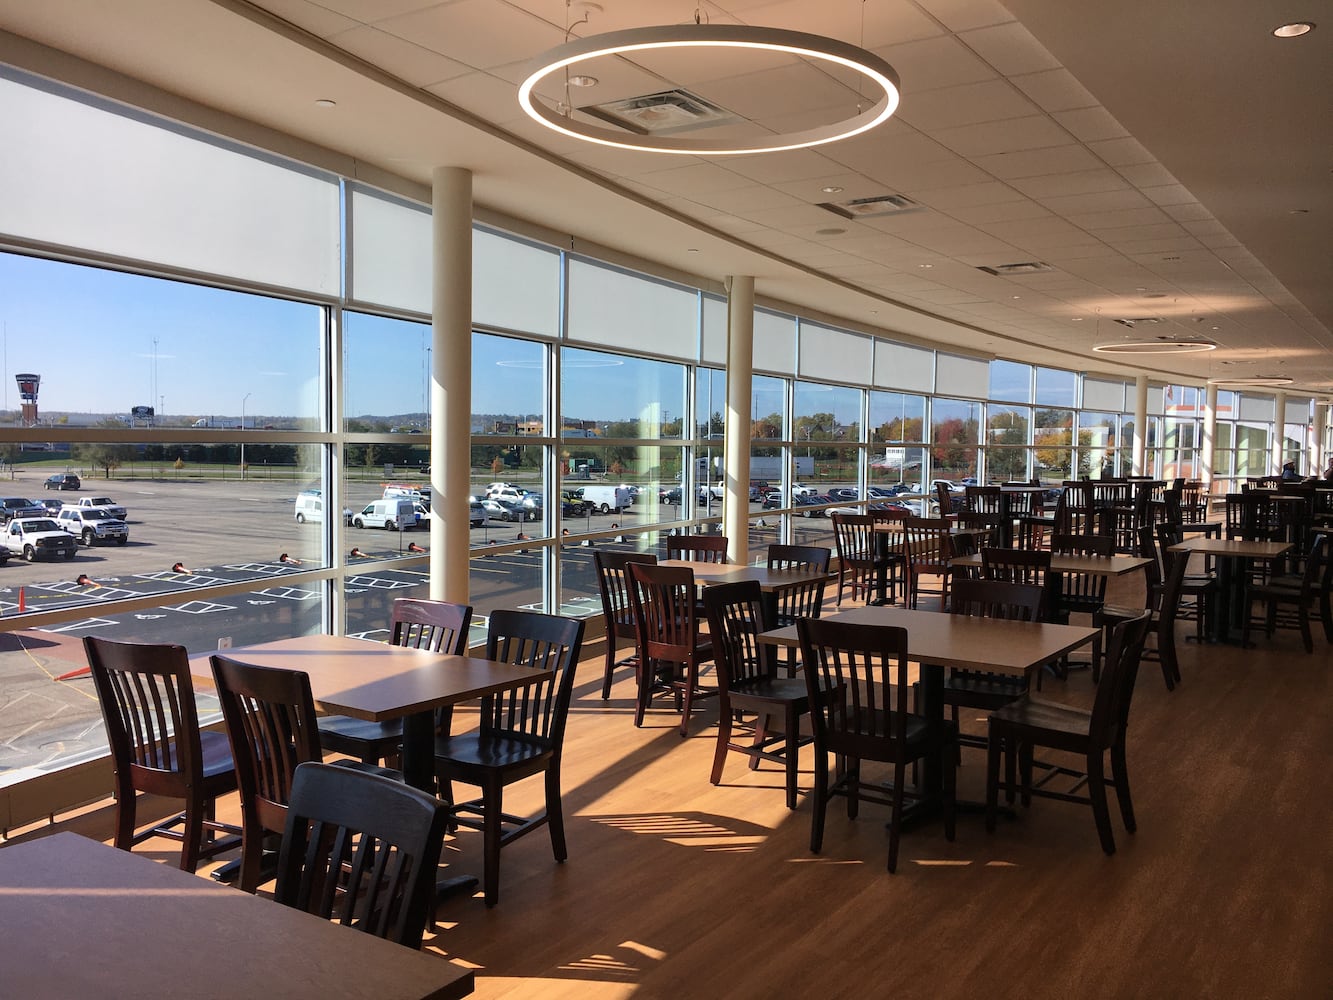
{"type": "Point", "coordinates": [1167, 159]}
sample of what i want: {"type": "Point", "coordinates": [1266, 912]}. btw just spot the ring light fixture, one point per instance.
{"type": "Point", "coordinates": [1154, 346]}
{"type": "Point", "coordinates": [721, 37]}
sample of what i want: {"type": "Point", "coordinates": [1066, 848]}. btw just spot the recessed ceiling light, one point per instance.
{"type": "Point", "coordinates": [324, 102]}
{"type": "Point", "coordinates": [831, 189]}
{"type": "Point", "coordinates": [1294, 30]}
{"type": "Point", "coordinates": [583, 80]}
{"type": "Point", "coordinates": [926, 266]}
{"type": "Point", "coordinates": [691, 249]}
{"type": "Point", "coordinates": [1300, 211]}
{"type": "Point", "coordinates": [1015, 296]}
{"type": "Point", "coordinates": [1078, 319]}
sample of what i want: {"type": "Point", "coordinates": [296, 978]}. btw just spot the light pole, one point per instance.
{"type": "Point", "coordinates": [243, 402]}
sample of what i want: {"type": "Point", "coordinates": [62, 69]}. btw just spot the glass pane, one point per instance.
{"type": "Point", "coordinates": [1097, 443]}
{"type": "Point", "coordinates": [898, 471]}
{"type": "Point", "coordinates": [710, 406]}
{"type": "Point", "coordinates": [616, 397]}
{"type": "Point", "coordinates": [1052, 437]}
{"type": "Point", "coordinates": [768, 405]}
{"type": "Point", "coordinates": [897, 418]}
{"type": "Point", "coordinates": [508, 387]}
{"type": "Point", "coordinates": [1011, 381]}
{"type": "Point", "coordinates": [509, 577]}
{"type": "Point", "coordinates": [1056, 387]}
{"type": "Point", "coordinates": [386, 365]}
{"type": "Point", "coordinates": [825, 413]}
{"type": "Point", "coordinates": [955, 434]}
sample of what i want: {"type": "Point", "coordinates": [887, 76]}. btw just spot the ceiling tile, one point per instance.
{"type": "Point", "coordinates": [1079, 182]}
{"type": "Point", "coordinates": [1035, 162]}
{"type": "Point", "coordinates": [963, 15]}
{"type": "Point", "coordinates": [1003, 137]}
{"type": "Point", "coordinates": [866, 25]}
{"type": "Point", "coordinates": [1143, 175]}
{"type": "Point", "coordinates": [934, 62]}
{"type": "Point", "coordinates": [1091, 124]}
{"type": "Point", "coordinates": [371, 11]}
{"type": "Point", "coordinates": [1160, 246]}
{"type": "Point", "coordinates": [790, 217]}
{"type": "Point", "coordinates": [1122, 152]}
{"type": "Point", "coordinates": [1187, 211]}
{"type": "Point", "coordinates": [1098, 221]}
{"type": "Point", "coordinates": [966, 196]}
{"type": "Point", "coordinates": [318, 19]}
{"type": "Point", "coordinates": [1004, 212]}
{"type": "Point", "coordinates": [904, 174]}
{"type": "Point", "coordinates": [407, 61]}
{"type": "Point", "coordinates": [1133, 234]}
{"type": "Point", "coordinates": [1055, 90]}
{"type": "Point", "coordinates": [1010, 48]}
{"type": "Point", "coordinates": [992, 100]}
{"type": "Point", "coordinates": [1096, 201]}
{"type": "Point", "coordinates": [745, 200]}
{"type": "Point", "coordinates": [478, 33]}
{"type": "Point", "coordinates": [782, 168]}
{"type": "Point", "coordinates": [696, 179]}
{"type": "Point", "coordinates": [853, 186]}
{"type": "Point", "coordinates": [487, 97]}
{"type": "Point", "coordinates": [1169, 194]}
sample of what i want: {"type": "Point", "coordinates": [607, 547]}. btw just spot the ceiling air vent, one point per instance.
{"type": "Point", "coordinates": [1011, 270]}
{"type": "Point", "coordinates": [1133, 322]}
{"type": "Point", "coordinates": [663, 113]}
{"type": "Point", "coordinates": [869, 208]}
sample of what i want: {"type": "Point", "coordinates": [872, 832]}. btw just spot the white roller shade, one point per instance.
{"type": "Point", "coordinates": [1257, 409]}
{"type": "Point", "coordinates": [85, 175]}
{"type": "Point", "coordinates": [774, 343]}
{"type": "Point", "coordinates": [834, 355]}
{"type": "Point", "coordinates": [714, 351]}
{"type": "Point", "coordinates": [610, 308]}
{"type": "Point", "coordinates": [1099, 394]}
{"type": "Point", "coordinates": [1298, 410]}
{"type": "Point", "coordinates": [898, 366]}
{"type": "Point", "coordinates": [390, 251]}
{"type": "Point", "coordinates": [961, 376]}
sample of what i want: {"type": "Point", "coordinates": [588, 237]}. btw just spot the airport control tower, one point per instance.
{"type": "Point", "coordinates": [28, 386]}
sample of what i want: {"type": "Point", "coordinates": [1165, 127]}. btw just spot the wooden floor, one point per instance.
{"type": "Point", "coordinates": [676, 888]}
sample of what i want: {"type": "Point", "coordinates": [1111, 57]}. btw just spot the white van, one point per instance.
{"type": "Point", "coordinates": [605, 499]}
{"type": "Point", "coordinates": [395, 514]}
{"type": "Point", "coordinates": [310, 507]}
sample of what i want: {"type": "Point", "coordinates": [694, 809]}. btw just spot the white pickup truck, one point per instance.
{"type": "Point", "coordinates": [92, 524]}
{"type": "Point", "coordinates": [101, 503]}
{"type": "Point", "coordinates": [38, 538]}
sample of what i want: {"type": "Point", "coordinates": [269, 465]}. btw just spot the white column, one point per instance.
{"type": "Point", "coordinates": [1207, 447]}
{"type": "Point", "coordinates": [1318, 435]}
{"type": "Point", "coordinates": [450, 381]}
{"type": "Point", "coordinates": [1140, 424]}
{"type": "Point", "coordinates": [736, 446]}
{"type": "Point", "coordinates": [1279, 431]}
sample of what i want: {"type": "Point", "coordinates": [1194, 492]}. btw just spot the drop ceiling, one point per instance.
{"type": "Point", "coordinates": [1164, 160]}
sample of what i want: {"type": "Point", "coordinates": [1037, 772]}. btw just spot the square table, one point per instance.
{"type": "Point", "coordinates": [1233, 555]}
{"type": "Point", "coordinates": [936, 640]}
{"type": "Point", "coordinates": [379, 682]}
{"type": "Point", "coordinates": [1073, 563]}
{"type": "Point", "coordinates": [771, 581]}
{"type": "Point", "coordinates": [82, 919]}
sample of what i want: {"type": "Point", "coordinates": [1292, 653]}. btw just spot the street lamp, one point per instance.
{"type": "Point", "coordinates": [243, 402]}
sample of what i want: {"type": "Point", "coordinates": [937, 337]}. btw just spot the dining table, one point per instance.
{"type": "Point", "coordinates": [83, 919]}
{"type": "Point", "coordinates": [1109, 566]}
{"type": "Point", "coordinates": [772, 582]}
{"type": "Point", "coordinates": [936, 640]}
{"type": "Point", "coordinates": [1234, 557]}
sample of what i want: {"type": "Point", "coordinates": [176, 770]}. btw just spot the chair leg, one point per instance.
{"type": "Point", "coordinates": [791, 753]}
{"type": "Point", "coordinates": [193, 834]}
{"type": "Point", "coordinates": [691, 682]}
{"type": "Point", "coordinates": [851, 779]}
{"type": "Point", "coordinates": [492, 830]}
{"type": "Point", "coordinates": [127, 808]}
{"type": "Point", "coordinates": [992, 776]}
{"type": "Point", "coordinates": [1303, 619]}
{"type": "Point", "coordinates": [1097, 792]}
{"type": "Point", "coordinates": [761, 734]}
{"type": "Point", "coordinates": [252, 855]}
{"type": "Point", "coordinates": [555, 814]}
{"type": "Point", "coordinates": [723, 737]}
{"type": "Point", "coordinates": [610, 667]}
{"type": "Point", "coordinates": [896, 817]}
{"type": "Point", "coordinates": [951, 753]}
{"type": "Point", "coordinates": [645, 674]}
{"type": "Point", "coordinates": [1120, 775]}
{"type": "Point", "coordinates": [820, 803]}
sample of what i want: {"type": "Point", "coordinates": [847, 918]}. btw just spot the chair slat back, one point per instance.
{"type": "Point", "coordinates": [697, 548]}
{"type": "Point", "coordinates": [856, 678]}
{"type": "Point", "coordinates": [147, 701]}
{"type": "Point", "coordinates": [735, 619]}
{"type": "Point", "coordinates": [1110, 706]}
{"type": "Point", "coordinates": [1076, 589]}
{"type": "Point", "coordinates": [854, 537]}
{"type": "Point", "coordinates": [536, 712]}
{"type": "Point", "coordinates": [664, 611]}
{"type": "Point", "coordinates": [271, 722]}
{"type": "Point", "coordinates": [438, 626]}
{"type": "Point", "coordinates": [613, 584]}
{"type": "Point", "coordinates": [985, 500]}
{"type": "Point", "coordinates": [928, 543]}
{"type": "Point", "coordinates": [1019, 602]}
{"type": "Point", "coordinates": [1016, 565]}
{"type": "Point", "coordinates": [362, 849]}
{"type": "Point", "coordinates": [805, 600]}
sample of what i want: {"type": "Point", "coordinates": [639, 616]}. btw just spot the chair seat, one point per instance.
{"type": "Point", "coordinates": [1111, 614]}
{"type": "Point", "coordinates": [978, 684]}
{"type": "Point", "coordinates": [217, 759]}
{"type": "Point", "coordinates": [1061, 726]}
{"type": "Point", "coordinates": [919, 730]}
{"type": "Point", "coordinates": [474, 750]}
{"type": "Point", "coordinates": [335, 727]}
{"type": "Point", "coordinates": [774, 689]}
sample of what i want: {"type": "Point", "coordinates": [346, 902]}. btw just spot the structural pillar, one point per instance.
{"type": "Point", "coordinates": [450, 382]}
{"type": "Point", "coordinates": [1140, 425]}
{"type": "Point", "coordinates": [1279, 431]}
{"type": "Point", "coordinates": [736, 446]}
{"type": "Point", "coordinates": [1318, 436]}
{"type": "Point", "coordinates": [1208, 446]}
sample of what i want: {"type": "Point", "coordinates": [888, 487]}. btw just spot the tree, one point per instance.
{"type": "Point", "coordinates": [105, 455]}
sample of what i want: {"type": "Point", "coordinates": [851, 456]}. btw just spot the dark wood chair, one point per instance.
{"type": "Point", "coordinates": [152, 727]}
{"type": "Point", "coordinates": [803, 601]}
{"type": "Point", "coordinates": [271, 723]}
{"type": "Point", "coordinates": [1079, 593]}
{"type": "Point", "coordinates": [1193, 503]}
{"type": "Point", "coordinates": [522, 733]}
{"type": "Point", "coordinates": [1198, 591]}
{"type": "Point", "coordinates": [1031, 566]}
{"type": "Point", "coordinates": [1164, 601]}
{"type": "Point", "coordinates": [891, 545]}
{"type": "Point", "coordinates": [671, 649]}
{"type": "Point", "coordinates": [1022, 725]}
{"type": "Point", "coordinates": [747, 682]}
{"type": "Point", "coordinates": [861, 557]}
{"type": "Point", "coordinates": [985, 500]}
{"type": "Point", "coordinates": [697, 548]}
{"type": "Point", "coordinates": [856, 680]}
{"type": "Point", "coordinates": [361, 849]}
{"type": "Point", "coordinates": [438, 626]}
{"type": "Point", "coordinates": [613, 584]}
{"type": "Point", "coordinates": [961, 545]}
{"type": "Point", "coordinates": [1305, 599]}
{"type": "Point", "coordinates": [928, 554]}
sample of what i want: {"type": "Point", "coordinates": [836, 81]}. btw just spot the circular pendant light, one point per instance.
{"type": "Point", "coordinates": [721, 38]}
{"type": "Point", "coordinates": [1154, 345]}
{"type": "Point", "coordinates": [1259, 381]}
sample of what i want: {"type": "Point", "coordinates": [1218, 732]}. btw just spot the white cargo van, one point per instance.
{"type": "Point", "coordinates": [394, 514]}
{"type": "Point", "coordinates": [310, 507]}
{"type": "Point", "coordinates": [605, 499]}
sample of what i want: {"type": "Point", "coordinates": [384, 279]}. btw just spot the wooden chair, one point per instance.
{"type": "Point", "coordinates": [522, 733]}
{"type": "Point", "coordinates": [614, 586]}
{"type": "Point", "coordinates": [1193, 503]}
{"type": "Point", "coordinates": [1079, 593]}
{"type": "Point", "coordinates": [891, 545]}
{"type": "Point", "coordinates": [1027, 723]}
{"type": "Point", "coordinates": [438, 626]}
{"type": "Point", "coordinates": [1029, 566]}
{"type": "Point", "coordinates": [804, 601]}
{"type": "Point", "coordinates": [1163, 605]}
{"type": "Point", "coordinates": [697, 548]}
{"type": "Point", "coordinates": [271, 723]}
{"type": "Point", "coordinates": [985, 500]}
{"type": "Point", "coordinates": [1304, 599]}
{"type": "Point", "coordinates": [152, 727]}
{"type": "Point", "coordinates": [861, 557]}
{"type": "Point", "coordinates": [928, 554]}
{"type": "Point", "coordinates": [362, 849]}
{"type": "Point", "coordinates": [856, 680]}
{"type": "Point", "coordinates": [948, 501]}
{"type": "Point", "coordinates": [1198, 591]}
{"type": "Point", "coordinates": [670, 646]}
{"type": "Point", "coordinates": [962, 544]}
{"type": "Point", "coordinates": [747, 681]}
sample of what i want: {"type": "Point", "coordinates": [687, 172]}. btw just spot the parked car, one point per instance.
{"type": "Point", "coordinates": [104, 503]}
{"type": "Point", "coordinates": [51, 505]}
{"type": "Point", "coordinates": [508, 494]}
{"type": "Point", "coordinates": [12, 507]}
{"type": "Point", "coordinates": [38, 538]}
{"type": "Point", "coordinates": [844, 493]}
{"type": "Point", "coordinates": [92, 525]}
{"type": "Point", "coordinates": [476, 513]}
{"type": "Point", "coordinates": [310, 507]}
{"type": "Point", "coordinates": [810, 501]}
{"type": "Point", "coordinates": [772, 500]}
{"type": "Point", "coordinates": [669, 497]}
{"type": "Point", "coordinates": [63, 481]}
{"type": "Point", "coordinates": [396, 514]}
{"type": "Point", "coordinates": [515, 511]}
{"type": "Point", "coordinates": [607, 498]}
{"type": "Point", "coordinates": [572, 504]}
